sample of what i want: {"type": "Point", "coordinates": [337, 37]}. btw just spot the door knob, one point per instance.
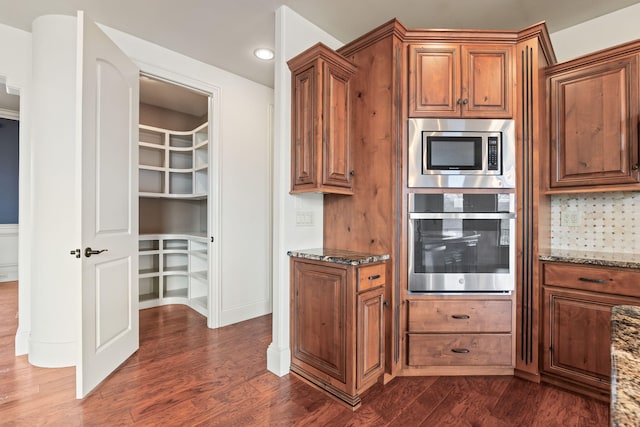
{"type": "Point", "coordinates": [88, 252]}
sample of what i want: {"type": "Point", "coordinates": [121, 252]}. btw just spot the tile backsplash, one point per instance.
{"type": "Point", "coordinates": [596, 222]}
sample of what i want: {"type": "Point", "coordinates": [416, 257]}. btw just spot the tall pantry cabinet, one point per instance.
{"type": "Point", "coordinates": [174, 242]}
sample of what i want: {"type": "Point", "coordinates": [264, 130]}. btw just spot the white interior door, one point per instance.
{"type": "Point", "coordinates": [108, 130]}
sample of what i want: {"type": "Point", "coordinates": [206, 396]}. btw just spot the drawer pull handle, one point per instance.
{"type": "Point", "coordinates": [586, 279]}
{"type": "Point", "coordinates": [461, 350]}
{"type": "Point", "coordinates": [377, 276]}
{"type": "Point", "coordinates": [460, 316]}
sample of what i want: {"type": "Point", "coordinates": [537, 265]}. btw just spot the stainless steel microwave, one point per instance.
{"type": "Point", "coordinates": [461, 153]}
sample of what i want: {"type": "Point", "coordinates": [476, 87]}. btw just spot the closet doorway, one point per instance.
{"type": "Point", "coordinates": [177, 197]}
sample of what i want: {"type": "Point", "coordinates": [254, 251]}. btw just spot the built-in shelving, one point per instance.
{"type": "Point", "coordinates": [173, 269]}
{"type": "Point", "coordinates": [174, 163]}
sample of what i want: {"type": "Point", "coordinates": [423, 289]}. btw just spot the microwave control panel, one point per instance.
{"type": "Point", "coordinates": [492, 153]}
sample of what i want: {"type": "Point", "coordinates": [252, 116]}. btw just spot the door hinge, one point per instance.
{"type": "Point", "coordinates": [211, 239]}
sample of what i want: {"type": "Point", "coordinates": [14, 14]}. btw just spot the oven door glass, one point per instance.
{"type": "Point", "coordinates": [457, 245]}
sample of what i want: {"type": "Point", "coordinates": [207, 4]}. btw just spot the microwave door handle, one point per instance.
{"type": "Point", "coordinates": [462, 215]}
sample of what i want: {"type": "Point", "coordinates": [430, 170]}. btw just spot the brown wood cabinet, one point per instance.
{"type": "Point", "coordinates": [468, 80]}
{"type": "Point", "coordinates": [577, 303]}
{"type": "Point", "coordinates": [593, 104]}
{"type": "Point", "coordinates": [320, 149]}
{"type": "Point", "coordinates": [459, 333]}
{"type": "Point", "coordinates": [337, 326]}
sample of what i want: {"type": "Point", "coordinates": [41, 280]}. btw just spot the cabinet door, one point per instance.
{"type": "Point", "coordinates": [336, 162]}
{"type": "Point", "coordinates": [370, 336]}
{"type": "Point", "coordinates": [319, 321]}
{"type": "Point", "coordinates": [487, 80]}
{"type": "Point", "coordinates": [594, 135]}
{"type": "Point", "coordinates": [577, 335]}
{"type": "Point", "coordinates": [434, 80]}
{"type": "Point", "coordinates": [303, 116]}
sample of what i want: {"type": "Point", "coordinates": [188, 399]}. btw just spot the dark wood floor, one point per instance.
{"type": "Point", "coordinates": [186, 374]}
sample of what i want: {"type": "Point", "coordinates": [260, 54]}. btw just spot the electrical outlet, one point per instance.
{"type": "Point", "coordinates": [570, 218]}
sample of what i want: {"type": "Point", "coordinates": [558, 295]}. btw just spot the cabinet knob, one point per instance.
{"type": "Point", "coordinates": [386, 304]}
{"type": "Point", "coordinates": [465, 101]}
{"type": "Point", "coordinates": [459, 101]}
{"type": "Point", "coordinates": [635, 167]}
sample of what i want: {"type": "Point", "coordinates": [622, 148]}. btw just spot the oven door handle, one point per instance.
{"type": "Point", "coordinates": [462, 215]}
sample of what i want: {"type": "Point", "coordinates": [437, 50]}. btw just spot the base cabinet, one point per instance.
{"type": "Point", "coordinates": [577, 323]}
{"type": "Point", "coordinates": [454, 336]}
{"type": "Point", "coordinates": [337, 326]}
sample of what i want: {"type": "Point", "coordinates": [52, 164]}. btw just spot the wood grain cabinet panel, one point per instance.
{"type": "Point", "coordinates": [337, 332]}
{"type": "Point", "coordinates": [320, 113]}
{"type": "Point", "coordinates": [319, 335]}
{"type": "Point", "coordinates": [453, 80]}
{"type": "Point", "coordinates": [577, 303]}
{"type": "Point", "coordinates": [594, 123]}
{"type": "Point", "coordinates": [370, 335]}
{"type": "Point", "coordinates": [460, 350]}
{"type": "Point", "coordinates": [460, 316]}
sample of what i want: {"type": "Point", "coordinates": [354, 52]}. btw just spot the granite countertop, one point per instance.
{"type": "Point", "coordinates": [625, 370]}
{"type": "Point", "coordinates": [605, 259]}
{"type": "Point", "coordinates": [338, 256]}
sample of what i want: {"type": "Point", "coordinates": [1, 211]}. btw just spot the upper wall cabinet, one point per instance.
{"type": "Point", "coordinates": [453, 80]}
{"type": "Point", "coordinates": [593, 107]}
{"type": "Point", "coordinates": [320, 146]}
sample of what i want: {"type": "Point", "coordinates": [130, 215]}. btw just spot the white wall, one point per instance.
{"type": "Point", "coordinates": [243, 239]}
{"type": "Point", "coordinates": [599, 33]}
{"type": "Point", "coordinates": [294, 34]}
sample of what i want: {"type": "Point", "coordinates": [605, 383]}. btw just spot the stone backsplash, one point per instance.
{"type": "Point", "coordinates": [596, 222]}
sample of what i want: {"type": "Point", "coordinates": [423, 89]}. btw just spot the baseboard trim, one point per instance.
{"type": "Point", "coordinates": [240, 314]}
{"type": "Point", "coordinates": [52, 355]}
{"type": "Point", "coordinates": [8, 272]}
{"type": "Point", "coordinates": [22, 342]}
{"type": "Point", "coordinates": [278, 359]}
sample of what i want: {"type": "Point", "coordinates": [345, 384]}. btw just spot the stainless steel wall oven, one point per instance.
{"type": "Point", "coordinates": [461, 242]}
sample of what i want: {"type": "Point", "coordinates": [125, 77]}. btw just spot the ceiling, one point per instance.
{"type": "Point", "coordinates": [224, 33]}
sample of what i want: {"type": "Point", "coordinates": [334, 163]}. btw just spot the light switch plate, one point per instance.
{"type": "Point", "coordinates": [304, 218]}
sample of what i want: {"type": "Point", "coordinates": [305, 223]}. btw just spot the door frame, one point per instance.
{"type": "Point", "coordinates": [215, 196]}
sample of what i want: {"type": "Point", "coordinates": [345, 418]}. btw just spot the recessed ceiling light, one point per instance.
{"type": "Point", "coordinates": [264, 53]}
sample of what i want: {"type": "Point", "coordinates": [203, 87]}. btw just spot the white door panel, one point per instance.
{"type": "Point", "coordinates": [112, 170]}
{"type": "Point", "coordinates": [112, 317]}
{"type": "Point", "coordinates": [107, 128]}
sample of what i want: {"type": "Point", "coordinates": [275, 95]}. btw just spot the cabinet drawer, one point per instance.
{"type": "Point", "coordinates": [459, 350]}
{"type": "Point", "coordinates": [593, 278]}
{"type": "Point", "coordinates": [460, 316]}
{"type": "Point", "coordinates": [371, 277]}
